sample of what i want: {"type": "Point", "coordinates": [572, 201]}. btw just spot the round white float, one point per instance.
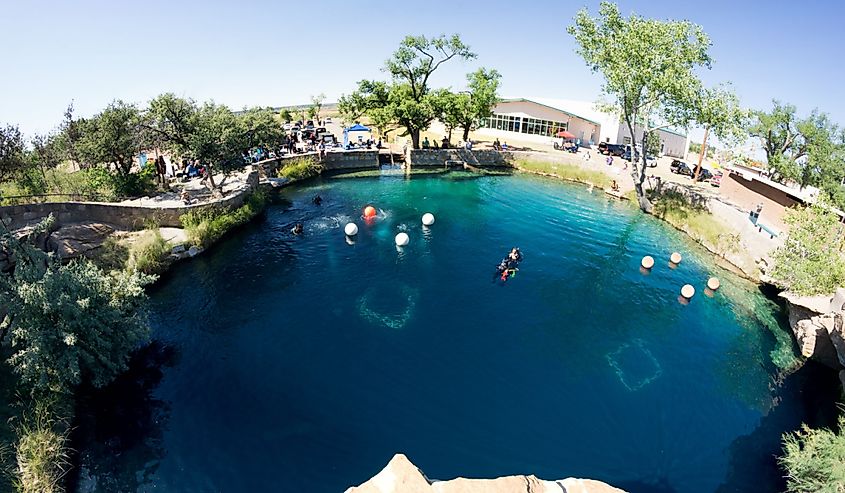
{"type": "Point", "coordinates": [713, 283]}
{"type": "Point", "coordinates": [428, 219]}
{"type": "Point", "coordinates": [351, 229]}
{"type": "Point", "coordinates": [675, 258]}
{"type": "Point", "coordinates": [687, 291]}
{"type": "Point", "coordinates": [647, 262]}
{"type": "Point", "coordinates": [402, 239]}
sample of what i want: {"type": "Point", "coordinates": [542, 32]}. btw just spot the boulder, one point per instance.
{"type": "Point", "coordinates": [814, 341]}
{"type": "Point", "coordinates": [78, 239]}
{"type": "Point", "coordinates": [402, 476]}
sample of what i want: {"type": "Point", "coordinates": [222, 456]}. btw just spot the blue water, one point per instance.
{"type": "Point", "coordinates": [287, 363]}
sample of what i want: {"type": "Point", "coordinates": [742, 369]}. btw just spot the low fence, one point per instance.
{"type": "Point", "coordinates": [125, 216]}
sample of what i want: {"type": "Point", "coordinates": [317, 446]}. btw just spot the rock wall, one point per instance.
{"type": "Point", "coordinates": [125, 216]}
{"type": "Point", "coordinates": [351, 160]}
{"type": "Point", "coordinates": [401, 476]}
{"type": "Point", "coordinates": [818, 323]}
{"type": "Point", "coordinates": [438, 157]}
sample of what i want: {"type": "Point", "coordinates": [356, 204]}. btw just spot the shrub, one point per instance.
{"type": "Point", "coordinates": [814, 460]}
{"type": "Point", "coordinates": [149, 253]}
{"type": "Point", "coordinates": [205, 227]}
{"type": "Point", "coordinates": [810, 261]}
{"type": "Point", "coordinates": [41, 456]}
{"type": "Point", "coordinates": [299, 168]}
{"type": "Point", "coordinates": [692, 217]}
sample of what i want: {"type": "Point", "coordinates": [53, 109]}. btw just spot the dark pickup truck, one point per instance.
{"type": "Point", "coordinates": [611, 149]}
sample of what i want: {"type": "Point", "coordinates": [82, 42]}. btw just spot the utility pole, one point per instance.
{"type": "Point", "coordinates": [701, 155]}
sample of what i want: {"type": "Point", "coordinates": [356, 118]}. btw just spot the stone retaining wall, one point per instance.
{"type": "Point", "coordinates": [438, 157]}
{"type": "Point", "coordinates": [121, 215]}
{"type": "Point", "coordinates": [351, 160]}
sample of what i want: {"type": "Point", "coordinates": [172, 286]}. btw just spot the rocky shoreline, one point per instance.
{"type": "Point", "coordinates": [401, 475]}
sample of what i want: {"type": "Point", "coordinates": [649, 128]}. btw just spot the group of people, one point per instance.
{"type": "Point", "coordinates": [509, 265]}
{"type": "Point", "coordinates": [499, 146]}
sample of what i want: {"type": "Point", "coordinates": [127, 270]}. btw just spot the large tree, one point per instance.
{"type": "Point", "coordinates": [317, 105]}
{"type": "Point", "coordinates": [407, 100]}
{"type": "Point", "coordinates": [808, 151]}
{"type": "Point", "coordinates": [13, 158]}
{"type": "Point", "coordinates": [649, 70]}
{"type": "Point", "coordinates": [111, 138]}
{"type": "Point", "coordinates": [483, 85]}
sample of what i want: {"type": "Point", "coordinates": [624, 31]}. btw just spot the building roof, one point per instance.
{"type": "Point", "coordinates": [807, 194]}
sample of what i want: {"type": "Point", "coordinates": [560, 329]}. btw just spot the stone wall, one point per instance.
{"type": "Point", "coordinates": [124, 216]}
{"type": "Point", "coordinates": [438, 157]}
{"type": "Point", "coordinates": [351, 160]}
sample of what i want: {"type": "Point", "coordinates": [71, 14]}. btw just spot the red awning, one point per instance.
{"type": "Point", "coordinates": [565, 134]}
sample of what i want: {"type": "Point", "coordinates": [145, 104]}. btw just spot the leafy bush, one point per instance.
{"type": "Point", "coordinates": [299, 168]}
{"type": "Point", "coordinates": [41, 456]}
{"type": "Point", "coordinates": [205, 227]}
{"type": "Point", "coordinates": [567, 172]}
{"type": "Point", "coordinates": [814, 460]}
{"type": "Point", "coordinates": [149, 253]}
{"type": "Point", "coordinates": [810, 261]}
{"type": "Point", "coordinates": [69, 323]}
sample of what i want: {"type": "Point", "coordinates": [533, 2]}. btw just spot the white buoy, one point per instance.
{"type": "Point", "coordinates": [713, 283]}
{"type": "Point", "coordinates": [675, 258]}
{"type": "Point", "coordinates": [687, 291]}
{"type": "Point", "coordinates": [647, 262]}
{"type": "Point", "coordinates": [428, 219]}
{"type": "Point", "coordinates": [402, 239]}
{"type": "Point", "coordinates": [351, 229]}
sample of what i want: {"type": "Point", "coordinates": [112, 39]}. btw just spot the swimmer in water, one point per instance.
{"type": "Point", "coordinates": [297, 229]}
{"type": "Point", "coordinates": [318, 200]}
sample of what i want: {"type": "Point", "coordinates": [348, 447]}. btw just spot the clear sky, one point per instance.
{"type": "Point", "coordinates": [271, 53]}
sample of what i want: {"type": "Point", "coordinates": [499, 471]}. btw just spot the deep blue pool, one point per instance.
{"type": "Point", "coordinates": [288, 363]}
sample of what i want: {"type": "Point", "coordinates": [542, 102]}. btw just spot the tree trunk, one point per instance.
{"type": "Point", "coordinates": [466, 132]}
{"type": "Point", "coordinates": [701, 155]}
{"type": "Point", "coordinates": [415, 138]}
{"type": "Point", "coordinates": [449, 135]}
{"type": "Point", "coordinates": [636, 175]}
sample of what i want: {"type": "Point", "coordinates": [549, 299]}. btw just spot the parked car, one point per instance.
{"type": "Point", "coordinates": [287, 126]}
{"type": "Point", "coordinates": [704, 174]}
{"type": "Point", "coordinates": [611, 149]}
{"type": "Point", "coordinates": [680, 168]}
{"type": "Point", "coordinates": [328, 119]}
{"type": "Point", "coordinates": [716, 181]}
{"type": "Point", "coordinates": [650, 161]}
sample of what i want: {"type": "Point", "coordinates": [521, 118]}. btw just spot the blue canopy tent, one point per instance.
{"type": "Point", "coordinates": [354, 128]}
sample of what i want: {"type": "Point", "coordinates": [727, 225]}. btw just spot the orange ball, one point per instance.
{"type": "Point", "coordinates": [369, 211]}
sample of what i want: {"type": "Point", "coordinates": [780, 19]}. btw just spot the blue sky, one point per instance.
{"type": "Point", "coordinates": [272, 53]}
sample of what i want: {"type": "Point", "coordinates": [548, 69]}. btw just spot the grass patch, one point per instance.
{"type": "Point", "coordinates": [206, 226]}
{"type": "Point", "coordinates": [567, 172]}
{"type": "Point", "coordinates": [676, 209]}
{"type": "Point", "coordinates": [148, 253]}
{"type": "Point", "coordinates": [299, 168]}
{"type": "Point", "coordinates": [41, 453]}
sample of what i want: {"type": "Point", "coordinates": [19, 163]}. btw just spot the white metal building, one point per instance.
{"type": "Point", "coordinates": [538, 119]}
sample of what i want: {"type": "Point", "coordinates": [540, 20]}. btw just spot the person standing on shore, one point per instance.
{"type": "Point", "coordinates": [587, 158]}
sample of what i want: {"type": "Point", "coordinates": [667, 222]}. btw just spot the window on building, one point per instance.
{"type": "Point", "coordinates": [532, 126]}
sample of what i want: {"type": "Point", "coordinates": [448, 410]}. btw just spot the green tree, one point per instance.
{"type": "Point", "coordinates": [652, 144]}
{"type": "Point", "coordinates": [69, 324]}
{"type": "Point", "coordinates": [317, 105]}
{"type": "Point", "coordinates": [453, 108]}
{"type": "Point", "coordinates": [483, 85]}
{"type": "Point", "coordinates": [407, 100]}
{"type": "Point", "coordinates": [285, 115]}
{"type": "Point", "coordinates": [814, 460]}
{"type": "Point", "coordinates": [112, 138]}
{"type": "Point", "coordinates": [810, 261]}
{"type": "Point", "coordinates": [649, 67]}
{"type": "Point", "coordinates": [260, 128]}
{"type": "Point", "coordinates": [13, 160]}
{"type": "Point", "coordinates": [808, 151]}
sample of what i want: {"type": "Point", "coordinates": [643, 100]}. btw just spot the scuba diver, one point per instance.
{"type": "Point", "coordinates": [509, 265]}
{"type": "Point", "coordinates": [318, 200]}
{"type": "Point", "coordinates": [297, 229]}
